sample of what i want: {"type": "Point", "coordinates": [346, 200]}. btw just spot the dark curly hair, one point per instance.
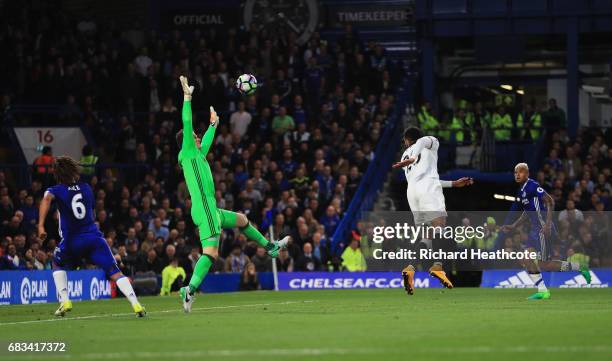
{"type": "Point", "coordinates": [66, 169]}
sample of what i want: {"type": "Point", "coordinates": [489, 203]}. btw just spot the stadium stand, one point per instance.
{"type": "Point", "coordinates": [291, 157]}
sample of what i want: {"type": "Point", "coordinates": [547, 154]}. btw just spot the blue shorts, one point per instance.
{"type": "Point", "coordinates": [69, 253]}
{"type": "Point", "coordinates": [542, 244]}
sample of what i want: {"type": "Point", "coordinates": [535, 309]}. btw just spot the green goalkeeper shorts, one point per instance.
{"type": "Point", "coordinates": [223, 219]}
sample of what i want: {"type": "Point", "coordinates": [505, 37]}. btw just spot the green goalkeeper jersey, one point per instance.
{"type": "Point", "coordinates": [198, 177]}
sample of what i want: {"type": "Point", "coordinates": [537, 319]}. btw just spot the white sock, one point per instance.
{"type": "Point", "coordinates": [61, 285]}
{"type": "Point", "coordinates": [538, 281]}
{"type": "Point", "coordinates": [126, 288]}
{"type": "Point", "coordinates": [569, 266]}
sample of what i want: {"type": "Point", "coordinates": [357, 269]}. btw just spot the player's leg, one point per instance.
{"type": "Point", "coordinates": [561, 266]}
{"type": "Point", "coordinates": [433, 209]}
{"type": "Point", "coordinates": [231, 219]}
{"type": "Point", "coordinates": [536, 277]}
{"type": "Point", "coordinates": [408, 271]}
{"type": "Point", "coordinates": [210, 252]}
{"type": "Point", "coordinates": [536, 243]}
{"type": "Point", "coordinates": [209, 227]}
{"type": "Point", "coordinates": [437, 269]}
{"type": "Point", "coordinates": [566, 266]}
{"type": "Point", "coordinates": [61, 261]}
{"type": "Point", "coordinates": [102, 257]}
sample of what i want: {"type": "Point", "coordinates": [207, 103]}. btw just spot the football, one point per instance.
{"type": "Point", "coordinates": [246, 84]}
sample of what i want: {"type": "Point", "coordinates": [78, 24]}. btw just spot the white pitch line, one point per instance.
{"type": "Point", "coordinates": [152, 312]}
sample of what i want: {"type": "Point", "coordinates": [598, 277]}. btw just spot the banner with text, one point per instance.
{"type": "Point", "coordinates": [203, 16]}
{"type": "Point", "coordinates": [63, 140]}
{"type": "Point", "coordinates": [481, 240]}
{"type": "Point", "coordinates": [27, 287]}
{"type": "Point", "coordinates": [349, 280]}
{"type": "Point", "coordinates": [600, 278]}
{"type": "Point", "coordinates": [369, 15]}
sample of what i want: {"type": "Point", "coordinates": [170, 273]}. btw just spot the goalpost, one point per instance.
{"type": "Point", "coordinates": [274, 270]}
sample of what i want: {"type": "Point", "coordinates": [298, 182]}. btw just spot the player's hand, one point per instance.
{"type": "Point", "coordinates": [507, 228]}
{"type": "Point", "coordinates": [42, 234]}
{"type": "Point", "coordinates": [214, 118]}
{"type": "Point", "coordinates": [462, 182]}
{"type": "Point", "coordinates": [187, 89]}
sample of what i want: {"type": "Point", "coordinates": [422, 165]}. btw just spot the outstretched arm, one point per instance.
{"type": "Point", "coordinates": [209, 136]}
{"type": "Point", "coordinates": [403, 163]}
{"type": "Point", "coordinates": [188, 141]}
{"type": "Point", "coordinates": [461, 182]}
{"type": "Point", "coordinates": [45, 204]}
{"type": "Point", "coordinates": [424, 142]}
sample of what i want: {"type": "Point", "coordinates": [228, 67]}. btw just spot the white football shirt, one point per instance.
{"type": "Point", "coordinates": [426, 164]}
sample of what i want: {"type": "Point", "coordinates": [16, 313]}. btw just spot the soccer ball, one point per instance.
{"type": "Point", "coordinates": [246, 84]}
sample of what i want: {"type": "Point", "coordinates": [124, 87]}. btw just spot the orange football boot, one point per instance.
{"type": "Point", "coordinates": [408, 276]}
{"type": "Point", "coordinates": [436, 271]}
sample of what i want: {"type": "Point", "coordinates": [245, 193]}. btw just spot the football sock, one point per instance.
{"type": "Point", "coordinates": [61, 285]}
{"type": "Point", "coordinates": [200, 271]}
{"type": "Point", "coordinates": [538, 281]}
{"type": "Point", "coordinates": [253, 234]}
{"type": "Point", "coordinates": [569, 266]}
{"type": "Point", "coordinates": [126, 288]}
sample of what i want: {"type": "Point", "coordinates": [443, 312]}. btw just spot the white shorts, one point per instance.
{"type": "Point", "coordinates": [426, 200]}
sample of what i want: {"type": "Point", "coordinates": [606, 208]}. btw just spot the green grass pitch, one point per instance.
{"type": "Point", "coordinates": [458, 324]}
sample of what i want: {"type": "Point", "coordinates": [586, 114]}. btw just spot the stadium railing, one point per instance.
{"type": "Point", "coordinates": [378, 169]}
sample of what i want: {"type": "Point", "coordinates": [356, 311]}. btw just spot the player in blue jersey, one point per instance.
{"type": "Point", "coordinates": [537, 207]}
{"type": "Point", "coordinates": [80, 236]}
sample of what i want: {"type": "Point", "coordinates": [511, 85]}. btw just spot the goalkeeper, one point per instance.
{"type": "Point", "coordinates": [209, 219]}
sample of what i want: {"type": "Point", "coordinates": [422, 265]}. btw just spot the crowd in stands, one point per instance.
{"type": "Point", "coordinates": [290, 157]}
{"type": "Point", "coordinates": [505, 121]}
{"type": "Point", "coordinates": [576, 173]}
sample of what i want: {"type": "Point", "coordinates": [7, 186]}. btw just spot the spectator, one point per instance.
{"type": "Point", "coordinates": [88, 163]}
{"type": "Point", "coordinates": [330, 221]}
{"type": "Point", "coordinates": [553, 160]}
{"type": "Point", "coordinates": [320, 251]}
{"type": "Point", "coordinates": [284, 262]}
{"type": "Point", "coordinates": [159, 230]}
{"type": "Point", "coordinates": [248, 279]}
{"type": "Point", "coordinates": [240, 120]}
{"type": "Point", "coordinates": [352, 258]}
{"type": "Point", "coordinates": [11, 259]}
{"type": "Point", "coordinates": [554, 117]}
{"type": "Point", "coordinates": [237, 260]}
{"type": "Point", "coordinates": [172, 277]}
{"type": "Point", "coordinates": [307, 262]}
{"type": "Point", "coordinates": [502, 124]}
{"type": "Point", "coordinates": [152, 263]}
{"type": "Point", "coordinates": [30, 213]}
{"type": "Point", "coordinates": [261, 260]}
{"type": "Point", "coordinates": [282, 123]}
{"type": "Point", "coordinates": [570, 214]}
{"type": "Point", "coordinates": [43, 166]}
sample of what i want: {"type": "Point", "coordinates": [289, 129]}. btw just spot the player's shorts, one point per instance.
{"type": "Point", "coordinates": [542, 244]}
{"type": "Point", "coordinates": [426, 200]}
{"type": "Point", "coordinates": [224, 219]}
{"type": "Point", "coordinates": [69, 253]}
{"type": "Point", "coordinates": [207, 218]}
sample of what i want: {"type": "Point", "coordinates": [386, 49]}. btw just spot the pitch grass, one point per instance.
{"type": "Point", "coordinates": [460, 324]}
